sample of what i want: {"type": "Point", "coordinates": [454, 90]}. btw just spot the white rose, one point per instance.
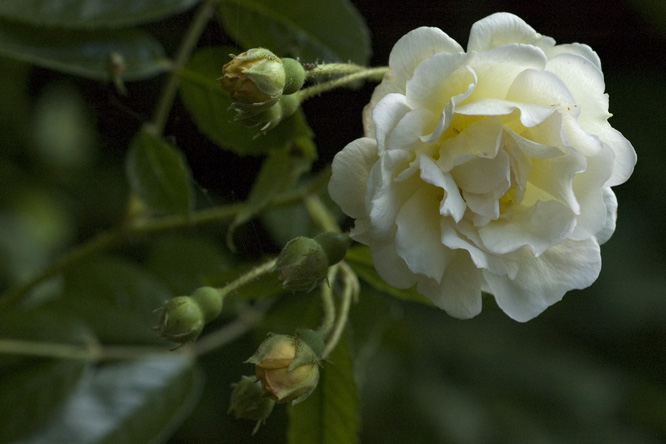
{"type": "Point", "coordinates": [487, 170]}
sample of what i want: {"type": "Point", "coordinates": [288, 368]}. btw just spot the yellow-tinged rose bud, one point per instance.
{"type": "Point", "coordinates": [287, 368]}
{"type": "Point", "coordinates": [254, 76]}
{"type": "Point", "coordinates": [303, 263]}
{"type": "Point", "coordinates": [248, 401]}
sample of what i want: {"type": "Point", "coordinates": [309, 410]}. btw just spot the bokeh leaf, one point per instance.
{"type": "Point", "coordinates": [360, 261]}
{"type": "Point", "coordinates": [158, 174]}
{"type": "Point", "coordinates": [32, 390]}
{"type": "Point", "coordinates": [116, 298]}
{"type": "Point", "coordinates": [33, 395]}
{"type": "Point", "coordinates": [322, 30]}
{"type": "Point", "coordinates": [82, 52]}
{"type": "Point", "coordinates": [330, 414]}
{"type": "Point", "coordinates": [209, 106]}
{"type": "Point", "coordinates": [90, 13]}
{"type": "Point", "coordinates": [132, 402]}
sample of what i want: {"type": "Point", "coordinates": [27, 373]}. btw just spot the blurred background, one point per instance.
{"type": "Point", "coordinates": [591, 369]}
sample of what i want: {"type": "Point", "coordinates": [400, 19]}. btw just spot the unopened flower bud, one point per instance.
{"type": "Point", "coordinates": [248, 401]}
{"type": "Point", "coordinates": [287, 368]}
{"type": "Point", "coordinates": [254, 77]}
{"type": "Point", "coordinates": [182, 320]}
{"type": "Point", "coordinates": [303, 263]}
{"type": "Point", "coordinates": [184, 317]}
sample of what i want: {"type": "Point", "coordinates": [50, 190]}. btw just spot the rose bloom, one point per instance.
{"type": "Point", "coordinates": [486, 170]}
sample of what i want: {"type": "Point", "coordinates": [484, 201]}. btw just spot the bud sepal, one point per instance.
{"type": "Point", "coordinates": [248, 401]}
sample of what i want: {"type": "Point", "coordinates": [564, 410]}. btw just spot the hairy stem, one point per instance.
{"type": "Point", "coordinates": [376, 74]}
{"type": "Point", "coordinates": [350, 291]}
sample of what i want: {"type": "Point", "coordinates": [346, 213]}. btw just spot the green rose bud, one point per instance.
{"type": "Point", "coordinates": [287, 368]}
{"type": "Point", "coordinates": [184, 317]}
{"type": "Point", "coordinates": [248, 401]}
{"type": "Point", "coordinates": [182, 320]}
{"type": "Point", "coordinates": [303, 263]}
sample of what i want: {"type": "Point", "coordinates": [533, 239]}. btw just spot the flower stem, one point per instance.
{"type": "Point", "coordinates": [148, 226]}
{"type": "Point", "coordinates": [248, 277]}
{"type": "Point", "coordinates": [320, 214]}
{"type": "Point", "coordinates": [327, 69]}
{"type": "Point", "coordinates": [360, 74]}
{"type": "Point", "coordinates": [350, 291]}
{"type": "Point", "coordinates": [327, 303]}
{"type": "Point", "coordinates": [189, 42]}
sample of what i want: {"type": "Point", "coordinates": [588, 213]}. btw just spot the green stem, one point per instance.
{"type": "Point", "coordinates": [376, 74]}
{"type": "Point", "coordinates": [91, 352]}
{"type": "Point", "coordinates": [327, 303]}
{"type": "Point", "coordinates": [148, 226]}
{"type": "Point", "coordinates": [248, 277]}
{"type": "Point", "coordinates": [189, 42]}
{"type": "Point", "coordinates": [328, 69]}
{"type": "Point", "coordinates": [320, 214]}
{"type": "Point", "coordinates": [349, 292]}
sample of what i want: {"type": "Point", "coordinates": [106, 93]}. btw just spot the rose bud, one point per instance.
{"type": "Point", "coordinates": [182, 320]}
{"type": "Point", "coordinates": [248, 401]}
{"type": "Point", "coordinates": [287, 368]}
{"type": "Point", "coordinates": [255, 77]}
{"type": "Point", "coordinates": [184, 317]}
{"type": "Point", "coordinates": [303, 262]}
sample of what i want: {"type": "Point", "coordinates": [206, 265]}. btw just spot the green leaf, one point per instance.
{"type": "Point", "coordinates": [140, 401]}
{"type": "Point", "coordinates": [90, 13]}
{"type": "Point", "coordinates": [281, 169]}
{"type": "Point", "coordinates": [158, 174]}
{"type": "Point", "coordinates": [323, 30]}
{"type": "Point", "coordinates": [32, 396]}
{"type": "Point", "coordinates": [81, 52]}
{"type": "Point", "coordinates": [209, 106]}
{"type": "Point", "coordinates": [360, 261]}
{"type": "Point", "coordinates": [183, 263]}
{"type": "Point", "coordinates": [330, 414]}
{"type": "Point", "coordinates": [117, 299]}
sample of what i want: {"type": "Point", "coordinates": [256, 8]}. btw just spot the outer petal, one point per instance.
{"type": "Point", "coordinates": [501, 29]}
{"type": "Point", "coordinates": [542, 281]}
{"type": "Point", "coordinates": [417, 46]}
{"type": "Point", "coordinates": [351, 168]}
{"type": "Point", "coordinates": [459, 292]}
{"type": "Point", "coordinates": [611, 216]}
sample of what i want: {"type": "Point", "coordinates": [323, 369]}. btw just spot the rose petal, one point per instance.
{"type": "Point", "coordinates": [459, 292]}
{"type": "Point", "coordinates": [542, 281]}
{"type": "Point", "coordinates": [452, 203]}
{"type": "Point", "coordinates": [611, 215]}
{"type": "Point", "coordinates": [502, 29]}
{"type": "Point", "coordinates": [417, 46]}
{"type": "Point", "coordinates": [350, 171]}
{"type": "Point", "coordinates": [538, 227]}
{"type": "Point", "coordinates": [386, 115]}
{"type": "Point", "coordinates": [389, 265]}
{"type": "Point", "coordinates": [530, 114]}
{"type": "Point", "coordinates": [418, 225]}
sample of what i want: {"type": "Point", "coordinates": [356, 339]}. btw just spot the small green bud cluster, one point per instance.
{"type": "Point", "coordinates": [287, 367]}
{"type": "Point", "coordinates": [259, 83]}
{"type": "Point", "coordinates": [303, 263]}
{"type": "Point", "coordinates": [183, 317]}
